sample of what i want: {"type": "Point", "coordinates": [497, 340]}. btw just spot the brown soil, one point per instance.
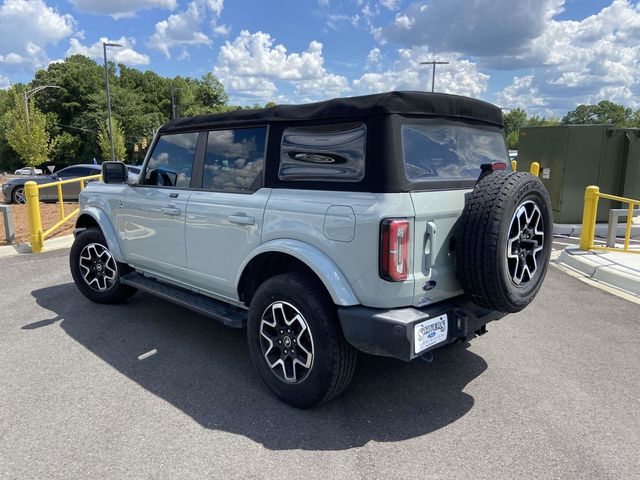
{"type": "Point", "coordinates": [49, 213]}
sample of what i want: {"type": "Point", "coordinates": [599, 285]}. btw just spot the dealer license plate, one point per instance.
{"type": "Point", "coordinates": [430, 332]}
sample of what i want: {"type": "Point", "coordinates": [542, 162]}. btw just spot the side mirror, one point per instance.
{"type": "Point", "coordinates": [114, 172]}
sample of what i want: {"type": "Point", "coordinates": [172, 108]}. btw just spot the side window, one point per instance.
{"type": "Point", "coordinates": [324, 152]}
{"type": "Point", "coordinates": [86, 171]}
{"type": "Point", "coordinates": [70, 172]}
{"type": "Point", "coordinates": [234, 159]}
{"type": "Point", "coordinates": [171, 162]}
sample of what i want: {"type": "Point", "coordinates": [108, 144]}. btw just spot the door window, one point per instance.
{"type": "Point", "coordinates": [234, 159]}
{"type": "Point", "coordinates": [171, 163]}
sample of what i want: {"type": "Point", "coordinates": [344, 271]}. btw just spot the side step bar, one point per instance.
{"type": "Point", "coordinates": [231, 316]}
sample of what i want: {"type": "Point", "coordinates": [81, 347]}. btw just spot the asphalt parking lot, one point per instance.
{"type": "Point", "coordinates": [552, 392]}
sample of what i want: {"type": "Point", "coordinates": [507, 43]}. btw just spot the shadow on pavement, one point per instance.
{"type": "Point", "coordinates": [203, 369]}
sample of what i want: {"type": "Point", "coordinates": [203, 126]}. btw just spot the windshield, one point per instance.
{"type": "Point", "coordinates": [448, 152]}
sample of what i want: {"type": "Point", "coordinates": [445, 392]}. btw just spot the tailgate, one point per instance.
{"type": "Point", "coordinates": [434, 265]}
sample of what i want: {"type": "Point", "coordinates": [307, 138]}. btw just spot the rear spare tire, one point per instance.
{"type": "Point", "coordinates": [504, 242]}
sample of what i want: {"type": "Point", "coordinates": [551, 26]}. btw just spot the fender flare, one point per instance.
{"type": "Point", "coordinates": [327, 271]}
{"type": "Point", "coordinates": [103, 221]}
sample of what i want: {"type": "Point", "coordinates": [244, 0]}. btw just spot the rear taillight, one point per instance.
{"type": "Point", "coordinates": [394, 249]}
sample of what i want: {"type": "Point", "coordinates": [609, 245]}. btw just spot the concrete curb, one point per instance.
{"type": "Point", "coordinates": [619, 270]}
{"type": "Point", "coordinates": [574, 230]}
{"type": "Point", "coordinates": [57, 243]}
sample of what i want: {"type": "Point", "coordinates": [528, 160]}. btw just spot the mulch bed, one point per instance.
{"type": "Point", "coordinates": [49, 212]}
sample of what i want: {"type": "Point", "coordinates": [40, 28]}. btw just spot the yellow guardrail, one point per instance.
{"type": "Point", "coordinates": [591, 196]}
{"type": "Point", "coordinates": [32, 192]}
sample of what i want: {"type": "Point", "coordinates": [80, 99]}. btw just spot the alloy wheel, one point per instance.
{"type": "Point", "coordinates": [286, 341]}
{"type": "Point", "coordinates": [98, 267]}
{"type": "Point", "coordinates": [526, 242]}
{"type": "Point", "coordinates": [19, 196]}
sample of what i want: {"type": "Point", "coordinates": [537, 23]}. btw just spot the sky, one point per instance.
{"type": "Point", "coordinates": [546, 56]}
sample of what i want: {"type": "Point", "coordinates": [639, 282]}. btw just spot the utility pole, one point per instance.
{"type": "Point", "coordinates": [433, 78]}
{"type": "Point", "coordinates": [106, 79]}
{"type": "Point", "coordinates": [173, 102]}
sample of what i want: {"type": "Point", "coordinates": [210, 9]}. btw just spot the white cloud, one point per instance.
{"type": "Point", "coordinates": [27, 27]}
{"type": "Point", "coordinates": [121, 8]}
{"type": "Point", "coordinates": [4, 82]}
{"type": "Point", "coordinates": [390, 4]}
{"type": "Point", "coordinates": [461, 76]}
{"type": "Point", "coordinates": [125, 54]}
{"type": "Point", "coordinates": [183, 29]}
{"type": "Point", "coordinates": [251, 65]}
{"type": "Point", "coordinates": [521, 93]}
{"type": "Point", "coordinates": [481, 27]}
{"type": "Point", "coordinates": [374, 58]}
{"type": "Point", "coordinates": [582, 61]}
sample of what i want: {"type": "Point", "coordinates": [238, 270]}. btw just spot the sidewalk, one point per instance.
{"type": "Point", "coordinates": [56, 243]}
{"type": "Point", "coordinates": [617, 269]}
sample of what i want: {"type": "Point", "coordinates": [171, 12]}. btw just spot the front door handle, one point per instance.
{"type": "Point", "coordinates": [241, 219]}
{"type": "Point", "coordinates": [170, 211]}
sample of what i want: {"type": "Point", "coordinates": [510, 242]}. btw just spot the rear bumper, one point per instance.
{"type": "Point", "coordinates": [390, 333]}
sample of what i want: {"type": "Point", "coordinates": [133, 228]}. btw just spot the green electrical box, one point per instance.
{"type": "Point", "coordinates": [572, 157]}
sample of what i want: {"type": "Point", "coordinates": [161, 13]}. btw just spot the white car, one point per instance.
{"type": "Point", "coordinates": [28, 171]}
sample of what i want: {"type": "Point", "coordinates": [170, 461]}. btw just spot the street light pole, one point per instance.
{"type": "Point", "coordinates": [173, 104]}
{"type": "Point", "coordinates": [30, 93]}
{"type": "Point", "coordinates": [173, 101]}
{"type": "Point", "coordinates": [106, 80]}
{"type": "Point", "coordinates": [433, 78]}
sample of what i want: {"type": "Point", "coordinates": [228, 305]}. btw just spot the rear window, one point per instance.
{"type": "Point", "coordinates": [449, 152]}
{"type": "Point", "coordinates": [323, 152]}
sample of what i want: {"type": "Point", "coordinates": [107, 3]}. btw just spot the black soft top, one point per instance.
{"type": "Point", "coordinates": [408, 103]}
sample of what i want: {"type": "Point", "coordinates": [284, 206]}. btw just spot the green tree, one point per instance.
{"type": "Point", "coordinates": [604, 113]}
{"type": "Point", "coordinates": [536, 121]}
{"type": "Point", "coordinates": [118, 141]}
{"type": "Point", "coordinates": [514, 120]}
{"type": "Point", "coordinates": [27, 134]}
{"type": "Point", "coordinates": [512, 140]}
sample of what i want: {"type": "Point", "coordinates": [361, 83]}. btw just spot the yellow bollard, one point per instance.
{"type": "Point", "coordinates": [33, 214]}
{"type": "Point", "coordinates": [535, 169]}
{"type": "Point", "coordinates": [514, 165]}
{"type": "Point", "coordinates": [60, 202]}
{"type": "Point", "coordinates": [589, 217]}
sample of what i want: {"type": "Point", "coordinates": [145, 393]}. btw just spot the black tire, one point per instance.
{"type": "Point", "coordinates": [490, 232]}
{"type": "Point", "coordinates": [18, 195]}
{"type": "Point", "coordinates": [333, 358]}
{"type": "Point", "coordinates": [115, 292]}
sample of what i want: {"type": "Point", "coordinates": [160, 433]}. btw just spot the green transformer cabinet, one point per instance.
{"type": "Point", "coordinates": [572, 157]}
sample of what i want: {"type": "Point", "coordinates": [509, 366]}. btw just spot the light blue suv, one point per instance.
{"type": "Point", "coordinates": [385, 223]}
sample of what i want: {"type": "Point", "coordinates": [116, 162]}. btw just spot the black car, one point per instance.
{"type": "Point", "coordinates": [13, 190]}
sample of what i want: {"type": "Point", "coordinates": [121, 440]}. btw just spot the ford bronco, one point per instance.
{"type": "Point", "coordinates": [384, 223]}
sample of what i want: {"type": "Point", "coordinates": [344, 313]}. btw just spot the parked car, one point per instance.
{"type": "Point", "coordinates": [385, 223]}
{"type": "Point", "coordinates": [13, 190]}
{"type": "Point", "coordinates": [28, 171]}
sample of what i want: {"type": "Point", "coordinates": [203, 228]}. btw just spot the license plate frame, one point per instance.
{"type": "Point", "coordinates": [430, 332]}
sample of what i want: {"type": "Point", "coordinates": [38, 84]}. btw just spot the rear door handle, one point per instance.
{"type": "Point", "coordinates": [241, 219]}
{"type": "Point", "coordinates": [170, 211]}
